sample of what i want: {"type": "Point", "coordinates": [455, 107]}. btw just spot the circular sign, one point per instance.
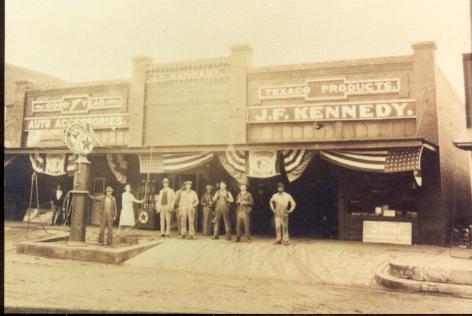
{"type": "Point", "coordinates": [143, 217]}
{"type": "Point", "coordinates": [78, 140]}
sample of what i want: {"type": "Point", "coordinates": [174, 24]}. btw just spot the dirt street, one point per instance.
{"type": "Point", "coordinates": [34, 282]}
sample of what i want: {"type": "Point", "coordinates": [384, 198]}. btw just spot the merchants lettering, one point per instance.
{"type": "Point", "coordinates": [327, 112]}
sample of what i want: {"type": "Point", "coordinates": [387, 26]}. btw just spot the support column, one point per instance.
{"type": "Point", "coordinates": [81, 184]}
{"type": "Point", "coordinates": [136, 106]}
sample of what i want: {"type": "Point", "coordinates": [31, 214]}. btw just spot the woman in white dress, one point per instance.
{"type": "Point", "coordinates": [127, 212]}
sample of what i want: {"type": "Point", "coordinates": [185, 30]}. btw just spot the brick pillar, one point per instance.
{"type": "Point", "coordinates": [424, 90]}
{"type": "Point", "coordinates": [136, 105]}
{"type": "Point", "coordinates": [14, 115]}
{"type": "Point", "coordinates": [240, 62]}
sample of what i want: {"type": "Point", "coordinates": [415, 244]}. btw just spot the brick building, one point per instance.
{"type": "Point", "coordinates": [365, 146]}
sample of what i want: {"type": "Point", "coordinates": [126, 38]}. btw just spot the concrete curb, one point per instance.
{"type": "Point", "coordinates": [50, 249]}
{"type": "Point", "coordinates": [431, 274]}
{"type": "Point", "coordinates": [383, 278]}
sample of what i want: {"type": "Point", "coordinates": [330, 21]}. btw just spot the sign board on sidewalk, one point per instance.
{"type": "Point", "coordinates": [399, 233]}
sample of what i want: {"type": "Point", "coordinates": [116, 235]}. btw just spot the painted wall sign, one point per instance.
{"type": "Point", "coordinates": [184, 75]}
{"type": "Point", "coordinates": [330, 89]}
{"type": "Point", "coordinates": [76, 104]}
{"type": "Point", "coordinates": [96, 122]}
{"type": "Point", "coordinates": [45, 138]}
{"type": "Point", "coordinates": [391, 109]}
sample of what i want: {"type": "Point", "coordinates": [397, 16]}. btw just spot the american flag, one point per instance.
{"type": "Point", "coordinates": [382, 161]}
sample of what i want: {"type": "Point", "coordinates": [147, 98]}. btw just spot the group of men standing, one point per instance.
{"type": "Point", "coordinates": [216, 207]}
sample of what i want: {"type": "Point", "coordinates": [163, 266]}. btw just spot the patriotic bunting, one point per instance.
{"type": "Point", "coordinates": [52, 164]}
{"type": "Point", "coordinates": [234, 163]}
{"type": "Point", "coordinates": [296, 161]}
{"type": "Point", "coordinates": [161, 163]}
{"type": "Point", "coordinates": [118, 166]}
{"type": "Point", "coordinates": [382, 161]}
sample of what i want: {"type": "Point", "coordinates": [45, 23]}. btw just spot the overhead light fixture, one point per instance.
{"type": "Point", "coordinates": [317, 125]}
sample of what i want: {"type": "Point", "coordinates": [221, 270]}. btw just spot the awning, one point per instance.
{"type": "Point", "coordinates": [162, 163]}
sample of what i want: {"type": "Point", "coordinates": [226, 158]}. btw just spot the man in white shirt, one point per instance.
{"type": "Point", "coordinates": [282, 204]}
{"type": "Point", "coordinates": [57, 198]}
{"type": "Point", "coordinates": [164, 206]}
{"type": "Point", "coordinates": [187, 205]}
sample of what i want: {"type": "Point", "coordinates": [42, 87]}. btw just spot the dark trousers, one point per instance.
{"type": "Point", "coordinates": [243, 220]}
{"type": "Point", "coordinates": [207, 217]}
{"type": "Point", "coordinates": [106, 220]}
{"type": "Point", "coordinates": [222, 212]}
{"type": "Point", "coordinates": [56, 213]}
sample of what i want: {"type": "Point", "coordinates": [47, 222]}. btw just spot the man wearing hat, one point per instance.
{"type": "Point", "coordinates": [187, 206]}
{"type": "Point", "coordinates": [164, 206]}
{"type": "Point", "coordinates": [245, 202]}
{"type": "Point", "coordinates": [207, 203]}
{"type": "Point", "coordinates": [222, 199]}
{"type": "Point", "coordinates": [282, 204]}
{"type": "Point", "coordinates": [107, 214]}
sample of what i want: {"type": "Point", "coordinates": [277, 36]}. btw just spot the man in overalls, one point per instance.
{"type": "Point", "coordinates": [187, 205]}
{"type": "Point", "coordinates": [282, 204]}
{"type": "Point", "coordinates": [243, 213]}
{"type": "Point", "coordinates": [207, 210]}
{"type": "Point", "coordinates": [222, 199]}
{"type": "Point", "coordinates": [107, 214]}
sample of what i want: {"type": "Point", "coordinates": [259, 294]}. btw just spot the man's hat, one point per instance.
{"type": "Point", "coordinates": [165, 180]}
{"type": "Point", "coordinates": [188, 182]}
{"type": "Point", "coordinates": [109, 189]}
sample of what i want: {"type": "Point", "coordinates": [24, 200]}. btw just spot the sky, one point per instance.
{"type": "Point", "coordinates": [86, 40]}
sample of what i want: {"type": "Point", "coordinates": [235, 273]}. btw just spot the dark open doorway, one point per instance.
{"type": "Point", "coordinates": [315, 193]}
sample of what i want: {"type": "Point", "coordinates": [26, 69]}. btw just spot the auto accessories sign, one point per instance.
{"type": "Point", "coordinates": [391, 109]}
{"type": "Point", "coordinates": [95, 121]}
{"type": "Point", "coordinates": [330, 89]}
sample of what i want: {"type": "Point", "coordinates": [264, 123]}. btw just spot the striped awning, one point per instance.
{"type": "Point", "coordinates": [382, 161]}
{"type": "Point", "coordinates": [161, 163]}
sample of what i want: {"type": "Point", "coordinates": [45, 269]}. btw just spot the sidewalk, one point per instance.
{"type": "Point", "coordinates": [305, 260]}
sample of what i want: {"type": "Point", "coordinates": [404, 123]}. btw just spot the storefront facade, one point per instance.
{"type": "Point", "coordinates": [363, 145]}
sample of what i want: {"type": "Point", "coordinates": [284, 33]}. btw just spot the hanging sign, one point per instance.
{"type": "Point", "coordinates": [78, 139]}
{"type": "Point", "coordinates": [330, 89]}
{"type": "Point", "coordinates": [262, 164]}
{"type": "Point", "coordinates": [390, 109]}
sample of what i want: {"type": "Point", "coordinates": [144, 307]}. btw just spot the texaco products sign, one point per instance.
{"type": "Point", "coordinates": [78, 140]}
{"type": "Point", "coordinates": [390, 109]}
{"type": "Point", "coordinates": [330, 89]}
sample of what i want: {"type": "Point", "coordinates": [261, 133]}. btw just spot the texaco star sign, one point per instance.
{"type": "Point", "coordinates": [78, 140]}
